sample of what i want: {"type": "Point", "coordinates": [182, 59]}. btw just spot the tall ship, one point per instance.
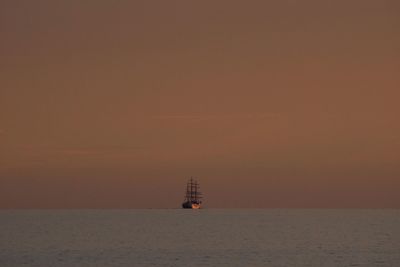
{"type": "Point", "coordinates": [192, 196]}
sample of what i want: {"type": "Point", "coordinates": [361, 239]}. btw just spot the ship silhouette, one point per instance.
{"type": "Point", "coordinates": [193, 195]}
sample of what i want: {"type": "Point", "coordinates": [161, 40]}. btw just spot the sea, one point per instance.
{"type": "Point", "coordinates": [207, 237]}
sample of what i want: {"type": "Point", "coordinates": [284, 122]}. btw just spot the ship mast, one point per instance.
{"type": "Point", "coordinates": [191, 188]}
{"type": "Point", "coordinates": [187, 197]}
{"type": "Point", "coordinates": [192, 191]}
{"type": "Point", "coordinates": [195, 190]}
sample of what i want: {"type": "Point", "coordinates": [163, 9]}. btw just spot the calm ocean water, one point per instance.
{"type": "Point", "coordinates": [200, 237]}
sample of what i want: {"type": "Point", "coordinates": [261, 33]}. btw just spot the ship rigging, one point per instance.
{"type": "Point", "coordinates": [193, 196]}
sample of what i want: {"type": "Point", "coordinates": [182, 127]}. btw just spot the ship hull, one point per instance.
{"type": "Point", "coordinates": [191, 205]}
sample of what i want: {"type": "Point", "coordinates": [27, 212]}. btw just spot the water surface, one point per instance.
{"type": "Point", "coordinates": [200, 237]}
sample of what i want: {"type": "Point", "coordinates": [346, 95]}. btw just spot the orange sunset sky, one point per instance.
{"type": "Point", "coordinates": [271, 104]}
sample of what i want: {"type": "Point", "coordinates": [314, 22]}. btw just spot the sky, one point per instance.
{"type": "Point", "coordinates": [271, 104]}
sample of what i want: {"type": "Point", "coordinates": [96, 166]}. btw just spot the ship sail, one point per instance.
{"type": "Point", "coordinates": [193, 195]}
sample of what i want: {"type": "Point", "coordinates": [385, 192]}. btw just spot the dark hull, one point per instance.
{"type": "Point", "coordinates": [191, 205]}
